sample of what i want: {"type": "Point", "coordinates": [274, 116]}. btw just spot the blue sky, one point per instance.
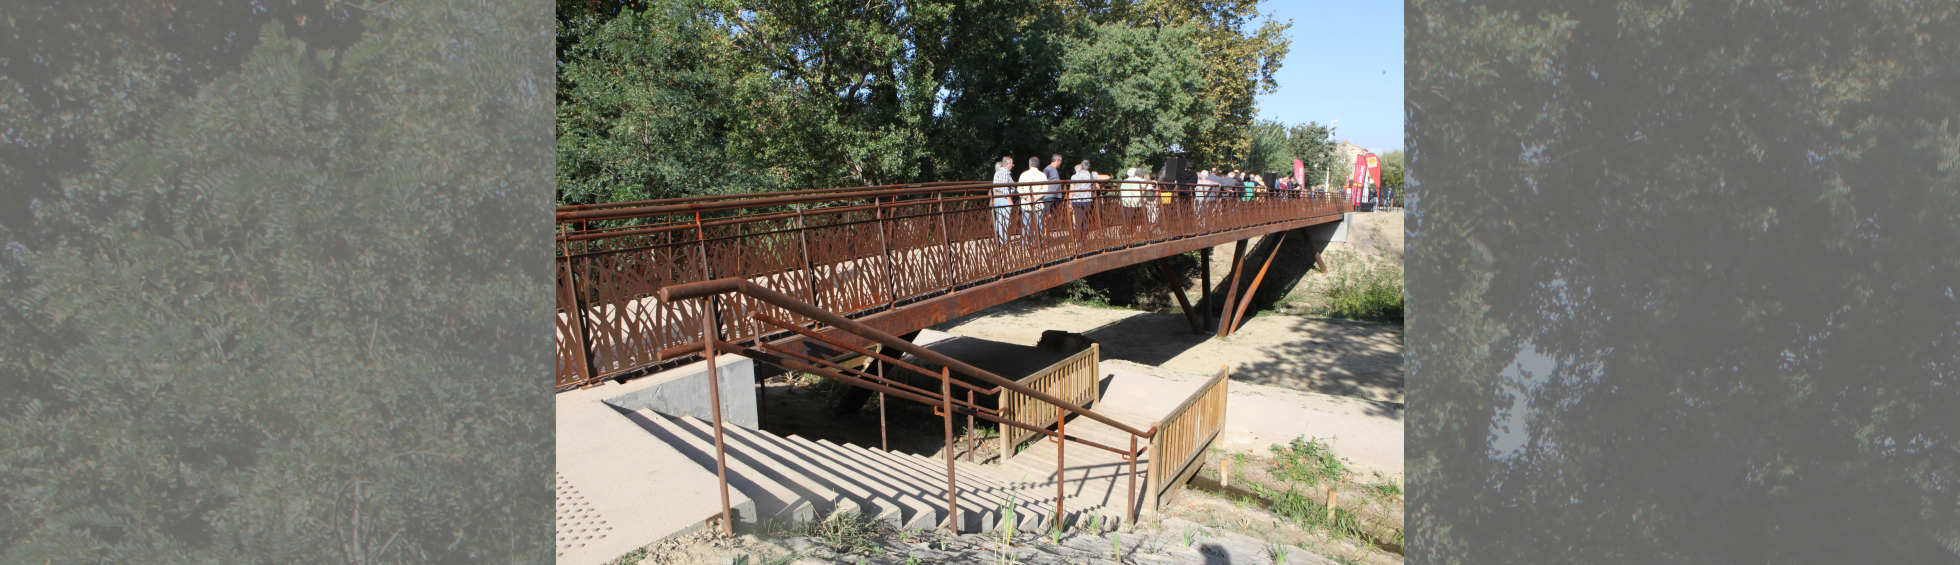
{"type": "Point", "coordinates": [1345, 64]}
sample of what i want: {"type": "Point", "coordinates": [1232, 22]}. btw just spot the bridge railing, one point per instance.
{"type": "Point", "coordinates": [854, 251]}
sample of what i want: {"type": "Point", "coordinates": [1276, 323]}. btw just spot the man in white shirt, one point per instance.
{"type": "Point", "coordinates": [1132, 197]}
{"type": "Point", "coordinates": [1031, 216]}
{"type": "Point", "coordinates": [1004, 197]}
{"type": "Point", "coordinates": [1081, 197]}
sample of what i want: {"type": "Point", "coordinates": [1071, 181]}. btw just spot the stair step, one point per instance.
{"type": "Point", "coordinates": [780, 466]}
{"type": "Point", "coordinates": [886, 501]}
{"type": "Point", "coordinates": [774, 502]}
{"type": "Point", "coordinates": [899, 479]}
{"type": "Point", "coordinates": [981, 484]}
{"type": "Point", "coordinates": [976, 515]}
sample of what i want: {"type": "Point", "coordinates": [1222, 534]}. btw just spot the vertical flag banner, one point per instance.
{"type": "Point", "coordinates": [1299, 173]}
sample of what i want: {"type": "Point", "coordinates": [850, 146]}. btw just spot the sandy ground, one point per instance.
{"type": "Point", "coordinates": [1212, 539]}
{"type": "Point", "coordinates": [1323, 355]}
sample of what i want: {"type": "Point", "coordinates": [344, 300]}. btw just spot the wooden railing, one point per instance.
{"type": "Point", "coordinates": [1073, 379]}
{"type": "Point", "coordinates": [1183, 435]}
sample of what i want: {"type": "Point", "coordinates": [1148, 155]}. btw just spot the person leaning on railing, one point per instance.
{"type": "Point", "coordinates": [1003, 197]}
{"type": "Point", "coordinates": [1132, 196]}
{"type": "Point", "coordinates": [1031, 216]}
{"type": "Point", "coordinates": [1081, 196]}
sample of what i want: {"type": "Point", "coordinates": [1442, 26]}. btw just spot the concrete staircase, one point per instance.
{"type": "Point", "coordinates": [795, 479]}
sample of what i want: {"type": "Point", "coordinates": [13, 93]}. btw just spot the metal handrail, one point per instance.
{"type": "Point", "coordinates": [946, 404]}
{"type": "Point", "coordinates": [780, 300]}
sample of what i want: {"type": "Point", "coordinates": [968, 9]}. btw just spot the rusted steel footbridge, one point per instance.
{"type": "Point", "coordinates": [806, 279]}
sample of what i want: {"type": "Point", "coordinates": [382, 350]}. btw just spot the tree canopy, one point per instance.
{"type": "Point", "coordinates": [667, 98]}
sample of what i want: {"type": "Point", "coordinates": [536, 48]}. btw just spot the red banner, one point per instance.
{"type": "Point", "coordinates": [1299, 173]}
{"type": "Point", "coordinates": [1367, 174]}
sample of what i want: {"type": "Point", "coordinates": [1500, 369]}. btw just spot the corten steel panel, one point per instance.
{"type": "Point", "coordinates": [901, 259]}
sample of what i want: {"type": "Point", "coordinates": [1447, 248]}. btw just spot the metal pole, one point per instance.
{"type": "Point", "coordinates": [1061, 465]}
{"type": "Point", "coordinates": [952, 494]}
{"type": "Point", "coordinates": [884, 441]}
{"type": "Point", "coordinates": [969, 426]}
{"type": "Point", "coordinates": [1130, 502]}
{"type": "Point", "coordinates": [714, 402]}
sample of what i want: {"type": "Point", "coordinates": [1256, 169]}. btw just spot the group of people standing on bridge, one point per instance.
{"type": "Point", "coordinates": [1137, 196]}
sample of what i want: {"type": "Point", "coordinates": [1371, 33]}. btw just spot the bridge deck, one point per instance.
{"type": "Point", "coordinates": [896, 259]}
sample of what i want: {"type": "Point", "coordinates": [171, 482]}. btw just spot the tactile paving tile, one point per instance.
{"type": "Point", "coordinates": [578, 521]}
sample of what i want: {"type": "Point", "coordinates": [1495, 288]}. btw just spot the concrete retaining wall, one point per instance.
{"type": "Point", "coordinates": [683, 391]}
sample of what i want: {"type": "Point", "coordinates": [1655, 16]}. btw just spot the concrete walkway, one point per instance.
{"type": "Point", "coordinates": [1368, 433]}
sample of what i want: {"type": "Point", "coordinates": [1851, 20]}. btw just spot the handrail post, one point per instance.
{"type": "Point", "coordinates": [884, 442]}
{"type": "Point", "coordinates": [1061, 464]}
{"type": "Point", "coordinates": [1131, 499]}
{"type": "Point", "coordinates": [714, 403]}
{"type": "Point", "coordinates": [952, 494]}
{"type": "Point", "coordinates": [809, 270]}
{"type": "Point", "coordinates": [952, 279]}
{"type": "Point", "coordinates": [969, 426]}
{"type": "Point", "coordinates": [891, 265]}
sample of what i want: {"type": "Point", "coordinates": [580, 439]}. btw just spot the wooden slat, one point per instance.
{"type": "Point", "coordinates": [1073, 379]}
{"type": "Point", "coordinates": [1183, 435]}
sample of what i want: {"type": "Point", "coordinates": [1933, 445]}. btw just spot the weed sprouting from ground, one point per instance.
{"type": "Point", "coordinates": [1278, 553]}
{"type": "Point", "coordinates": [842, 532]}
{"type": "Point", "coordinates": [1387, 489]}
{"type": "Point", "coordinates": [631, 557]}
{"type": "Point", "coordinates": [1008, 518]}
{"type": "Point", "coordinates": [1305, 510]}
{"type": "Point", "coordinates": [1307, 461]}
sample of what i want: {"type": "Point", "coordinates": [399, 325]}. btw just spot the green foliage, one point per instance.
{"type": "Point", "coordinates": [1141, 92]}
{"type": "Point", "coordinates": [1313, 144]}
{"type": "Point", "coordinates": [297, 312]}
{"type": "Point", "coordinates": [843, 532]}
{"type": "Point", "coordinates": [641, 109]}
{"type": "Point", "coordinates": [674, 98]}
{"type": "Point", "coordinates": [1392, 168]}
{"type": "Point", "coordinates": [1269, 150]}
{"type": "Point", "coordinates": [1307, 461]}
{"type": "Point", "coordinates": [1361, 290]}
{"type": "Point", "coordinates": [1305, 510]}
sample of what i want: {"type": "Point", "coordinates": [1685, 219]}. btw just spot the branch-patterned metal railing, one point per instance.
{"type": "Point", "coordinates": [855, 251]}
{"type": "Point", "coordinates": [1072, 379]}
{"type": "Point", "coordinates": [1183, 435]}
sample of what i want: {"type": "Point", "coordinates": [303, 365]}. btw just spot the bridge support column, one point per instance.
{"type": "Point", "coordinates": [1204, 288]}
{"type": "Point", "coordinates": [1177, 289]}
{"type": "Point", "coordinates": [1232, 292]}
{"type": "Point", "coordinates": [1238, 317]}
{"type": "Point", "coordinates": [854, 398]}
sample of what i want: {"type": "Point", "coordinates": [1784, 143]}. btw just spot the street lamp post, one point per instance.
{"type": "Point", "coordinates": [1327, 170]}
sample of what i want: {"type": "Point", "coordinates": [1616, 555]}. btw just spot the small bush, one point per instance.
{"type": "Point", "coordinates": [1358, 290]}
